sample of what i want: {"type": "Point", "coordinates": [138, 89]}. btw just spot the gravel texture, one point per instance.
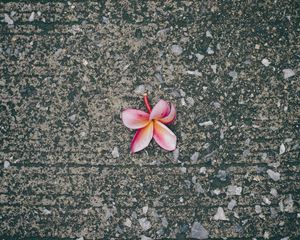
{"type": "Point", "coordinates": [68, 69]}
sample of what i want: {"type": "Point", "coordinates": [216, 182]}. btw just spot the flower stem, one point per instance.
{"type": "Point", "coordinates": [146, 100]}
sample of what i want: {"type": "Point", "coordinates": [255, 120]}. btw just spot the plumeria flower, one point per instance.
{"type": "Point", "coordinates": [150, 125]}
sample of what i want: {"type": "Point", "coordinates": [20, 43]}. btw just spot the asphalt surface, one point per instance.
{"type": "Point", "coordinates": [68, 69]}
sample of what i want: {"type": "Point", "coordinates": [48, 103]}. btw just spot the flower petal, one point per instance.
{"type": "Point", "coordinates": [160, 110]}
{"type": "Point", "coordinates": [135, 119]}
{"type": "Point", "coordinates": [164, 136]}
{"type": "Point", "coordinates": [142, 138]}
{"type": "Point", "coordinates": [171, 116]}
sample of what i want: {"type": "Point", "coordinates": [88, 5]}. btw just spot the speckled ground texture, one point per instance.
{"type": "Point", "coordinates": [67, 71]}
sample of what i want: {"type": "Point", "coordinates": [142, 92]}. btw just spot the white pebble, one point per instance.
{"type": "Point", "coordinates": [176, 50]}
{"type": "Point", "coordinates": [274, 192]}
{"type": "Point", "coordinates": [282, 149]}
{"type": "Point", "coordinates": [221, 134]}
{"type": "Point", "coordinates": [257, 209]}
{"type": "Point", "coordinates": [145, 209]}
{"type": "Point", "coordinates": [72, 117]}
{"type": "Point", "coordinates": [182, 93]}
{"type": "Point", "coordinates": [287, 73]}
{"type": "Point", "coordinates": [220, 215]}
{"type": "Point", "coordinates": [46, 211]}
{"type": "Point", "coordinates": [194, 157]}
{"type": "Point", "coordinates": [139, 89]}
{"type": "Point", "coordinates": [143, 237]}
{"type": "Point", "coordinates": [214, 68]}
{"type": "Point", "coordinates": [266, 200]}
{"type": "Point", "coordinates": [202, 170]}
{"type": "Point", "coordinates": [196, 73]}
{"type": "Point", "coordinates": [6, 164]}
{"type": "Point", "coordinates": [217, 191]}
{"type": "Point", "coordinates": [208, 34]}
{"type": "Point", "coordinates": [145, 224]}
{"type": "Point", "coordinates": [266, 235]}
{"type": "Point", "coordinates": [207, 123]}
{"type": "Point", "coordinates": [115, 152]}
{"type": "Point", "coordinates": [234, 190]}
{"type": "Point", "coordinates": [85, 62]}
{"type": "Point", "coordinates": [31, 18]}
{"type": "Point", "coordinates": [127, 223]}
{"type": "Point", "coordinates": [210, 51]}
{"type": "Point", "coordinates": [231, 204]}
{"type": "Point", "coordinates": [176, 154]}
{"type": "Point", "coordinates": [273, 175]}
{"type": "Point", "coordinates": [265, 62]}
{"type": "Point", "coordinates": [164, 222]}
{"type": "Point", "coordinates": [233, 74]}
{"type": "Point", "coordinates": [198, 231]}
{"type": "Point", "coordinates": [8, 20]}
{"type": "Point", "coordinates": [191, 101]}
{"type": "Point", "coordinates": [199, 57]}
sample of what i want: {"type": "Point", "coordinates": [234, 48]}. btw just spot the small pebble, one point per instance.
{"type": "Point", "coordinates": [221, 134]}
{"type": "Point", "coordinates": [182, 93]}
{"type": "Point", "coordinates": [208, 34]}
{"type": "Point", "coordinates": [233, 74]}
{"type": "Point", "coordinates": [214, 68]}
{"type": "Point", "coordinates": [176, 50]}
{"type": "Point", "coordinates": [273, 175]}
{"type": "Point", "coordinates": [266, 200]}
{"type": "Point", "coordinates": [190, 101]}
{"type": "Point", "coordinates": [145, 224]}
{"type": "Point", "coordinates": [176, 154]}
{"type": "Point", "coordinates": [143, 237]}
{"type": "Point", "coordinates": [164, 222]}
{"type": "Point", "coordinates": [287, 73]}
{"type": "Point", "coordinates": [266, 235]}
{"type": "Point", "coordinates": [46, 211]}
{"type": "Point", "coordinates": [139, 90]}
{"type": "Point", "coordinates": [199, 57]}
{"type": "Point", "coordinates": [257, 209]}
{"type": "Point", "coordinates": [231, 204]}
{"type": "Point", "coordinates": [145, 209]}
{"type": "Point", "coordinates": [234, 190]}
{"type": "Point", "coordinates": [217, 191]}
{"type": "Point", "coordinates": [281, 149]}
{"type": "Point", "coordinates": [85, 62]}
{"type": "Point", "coordinates": [274, 192]}
{"type": "Point", "coordinates": [199, 188]}
{"type": "Point", "coordinates": [285, 238]}
{"type": "Point", "coordinates": [115, 152]}
{"type": "Point", "coordinates": [8, 20]}
{"type": "Point", "coordinates": [6, 164]}
{"type": "Point", "coordinates": [196, 73]}
{"type": "Point", "coordinates": [210, 51]}
{"type": "Point", "coordinates": [127, 223]}
{"type": "Point", "coordinates": [202, 170]}
{"type": "Point", "coordinates": [72, 117]}
{"type": "Point", "coordinates": [222, 175]}
{"type": "Point", "coordinates": [31, 18]}
{"type": "Point", "coordinates": [198, 231]}
{"type": "Point", "coordinates": [220, 215]}
{"type": "Point", "coordinates": [207, 123]}
{"type": "Point", "coordinates": [194, 157]}
{"type": "Point", "coordinates": [265, 62]}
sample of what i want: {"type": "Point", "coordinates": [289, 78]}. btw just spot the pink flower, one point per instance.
{"type": "Point", "coordinates": [150, 125]}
